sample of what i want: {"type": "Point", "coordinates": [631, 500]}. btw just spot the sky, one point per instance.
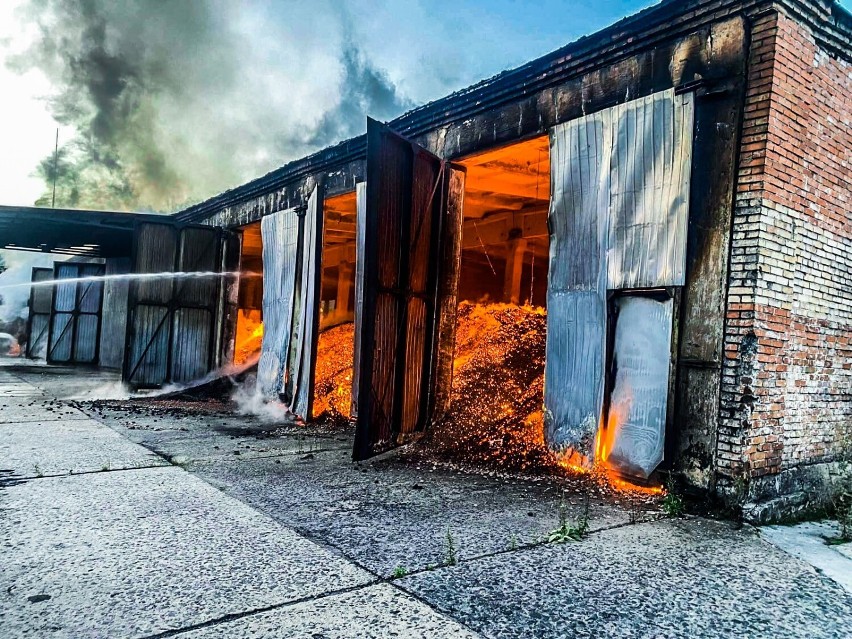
{"type": "Point", "coordinates": [203, 96]}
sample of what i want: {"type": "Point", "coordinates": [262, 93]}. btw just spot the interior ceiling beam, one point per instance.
{"type": "Point", "coordinates": [498, 229]}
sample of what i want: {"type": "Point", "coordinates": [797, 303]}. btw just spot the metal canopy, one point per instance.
{"type": "Point", "coordinates": [70, 231]}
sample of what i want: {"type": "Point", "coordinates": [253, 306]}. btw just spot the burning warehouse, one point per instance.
{"type": "Point", "coordinates": [645, 234]}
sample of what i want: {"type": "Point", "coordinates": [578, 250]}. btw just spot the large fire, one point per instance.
{"type": "Point", "coordinates": [249, 336]}
{"type": "Point", "coordinates": [496, 415]}
{"type": "Point", "coordinates": [333, 377]}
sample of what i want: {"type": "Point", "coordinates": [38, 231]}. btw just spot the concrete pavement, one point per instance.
{"type": "Point", "coordinates": [211, 525]}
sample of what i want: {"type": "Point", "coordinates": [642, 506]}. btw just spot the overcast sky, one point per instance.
{"type": "Point", "coordinates": [264, 82]}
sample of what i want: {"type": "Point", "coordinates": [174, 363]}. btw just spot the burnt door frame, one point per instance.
{"type": "Point", "coordinates": [368, 434]}
{"type": "Point", "coordinates": [75, 313]}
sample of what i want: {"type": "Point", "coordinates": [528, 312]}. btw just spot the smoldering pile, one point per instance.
{"type": "Point", "coordinates": [495, 418]}
{"type": "Point", "coordinates": [333, 377]}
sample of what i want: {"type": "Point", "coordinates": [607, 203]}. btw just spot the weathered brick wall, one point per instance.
{"type": "Point", "coordinates": [787, 377]}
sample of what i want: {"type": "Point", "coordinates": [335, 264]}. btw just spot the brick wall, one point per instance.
{"type": "Point", "coordinates": [787, 375]}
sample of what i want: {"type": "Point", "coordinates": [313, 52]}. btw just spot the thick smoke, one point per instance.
{"type": "Point", "coordinates": [175, 101]}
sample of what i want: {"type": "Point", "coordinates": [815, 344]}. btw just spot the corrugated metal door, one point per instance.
{"type": "Point", "coordinates": [618, 220]}
{"type": "Point", "coordinates": [41, 301]}
{"type": "Point", "coordinates": [404, 221]}
{"type": "Point", "coordinates": [280, 233]}
{"type": "Point", "coordinates": [172, 320]}
{"type": "Point", "coordinates": [306, 328]}
{"type": "Point", "coordinates": [75, 321]}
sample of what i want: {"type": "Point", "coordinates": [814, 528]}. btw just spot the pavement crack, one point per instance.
{"type": "Point", "coordinates": [254, 611]}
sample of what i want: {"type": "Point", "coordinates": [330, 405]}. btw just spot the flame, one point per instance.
{"type": "Point", "coordinates": [496, 416]}
{"type": "Point", "coordinates": [333, 376]}
{"type": "Point", "coordinates": [249, 336]}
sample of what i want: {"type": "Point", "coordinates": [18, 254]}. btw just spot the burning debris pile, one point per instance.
{"type": "Point", "coordinates": [333, 378]}
{"type": "Point", "coordinates": [498, 380]}
{"type": "Point", "coordinates": [249, 336]}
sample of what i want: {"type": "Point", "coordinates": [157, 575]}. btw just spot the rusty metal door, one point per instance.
{"type": "Point", "coordinates": [413, 203]}
{"type": "Point", "coordinates": [172, 320]}
{"type": "Point", "coordinates": [38, 320]}
{"type": "Point", "coordinates": [75, 319]}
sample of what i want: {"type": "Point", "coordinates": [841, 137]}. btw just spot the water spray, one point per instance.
{"type": "Point", "coordinates": [134, 277]}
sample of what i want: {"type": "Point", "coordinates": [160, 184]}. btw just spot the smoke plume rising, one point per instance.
{"type": "Point", "coordinates": [174, 101]}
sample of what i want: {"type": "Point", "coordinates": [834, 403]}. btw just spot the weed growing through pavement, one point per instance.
{"type": "Point", "coordinates": [567, 530]}
{"type": "Point", "coordinates": [38, 472]}
{"type": "Point", "coordinates": [842, 502]}
{"type": "Point", "coordinates": [450, 556]}
{"type": "Point", "coordinates": [672, 502]}
{"type": "Point", "coordinates": [513, 542]}
{"type": "Point", "coordinates": [399, 572]}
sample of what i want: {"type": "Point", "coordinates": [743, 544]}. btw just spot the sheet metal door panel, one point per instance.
{"type": "Point", "coordinates": [172, 320]}
{"type": "Point", "coordinates": [403, 223]}
{"type": "Point", "coordinates": [649, 191]}
{"type": "Point", "coordinates": [196, 301]}
{"type": "Point", "coordinates": [280, 233]}
{"type": "Point", "coordinates": [305, 341]}
{"type": "Point", "coordinates": [360, 229]}
{"type": "Point", "coordinates": [41, 300]}
{"type": "Point", "coordinates": [576, 297]}
{"type": "Point", "coordinates": [74, 332]}
{"type": "Point", "coordinates": [618, 218]}
{"type": "Point", "coordinates": [640, 366]}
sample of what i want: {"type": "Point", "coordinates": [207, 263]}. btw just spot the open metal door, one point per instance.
{"type": "Point", "coordinates": [280, 232]}
{"type": "Point", "coordinates": [306, 328]}
{"type": "Point", "coordinates": [412, 206]}
{"type": "Point", "coordinates": [172, 320]}
{"type": "Point", "coordinates": [38, 320]}
{"type": "Point", "coordinates": [75, 320]}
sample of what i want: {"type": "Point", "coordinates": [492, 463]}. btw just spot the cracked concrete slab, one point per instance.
{"type": "Point", "coordinates": [377, 611]}
{"type": "Point", "coordinates": [35, 449]}
{"type": "Point", "coordinates": [387, 515]}
{"type": "Point", "coordinates": [673, 578]}
{"type": "Point", "coordinates": [138, 552]}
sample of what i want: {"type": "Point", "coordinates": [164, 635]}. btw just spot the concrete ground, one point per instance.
{"type": "Point", "coordinates": [125, 522]}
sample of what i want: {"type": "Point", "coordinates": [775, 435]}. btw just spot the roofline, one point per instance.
{"type": "Point", "coordinates": [620, 40]}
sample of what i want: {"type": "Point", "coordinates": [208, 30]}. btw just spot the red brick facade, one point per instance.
{"type": "Point", "coordinates": [787, 376]}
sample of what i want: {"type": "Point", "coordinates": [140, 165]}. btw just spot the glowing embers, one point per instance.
{"type": "Point", "coordinates": [248, 337]}
{"type": "Point", "coordinates": [333, 376]}
{"type": "Point", "coordinates": [495, 417]}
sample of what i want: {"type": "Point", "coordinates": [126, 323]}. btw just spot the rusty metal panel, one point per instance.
{"type": "Point", "coordinates": [360, 226]}
{"type": "Point", "coordinates": [400, 245]}
{"type": "Point", "coordinates": [576, 297]}
{"type": "Point", "coordinates": [280, 233]}
{"type": "Point", "coordinates": [41, 300]}
{"type": "Point", "coordinates": [449, 270]}
{"type": "Point", "coordinates": [650, 167]}
{"type": "Point", "coordinates": [641, 361]}
{"type": "Point", "coordinates": [311, 274]}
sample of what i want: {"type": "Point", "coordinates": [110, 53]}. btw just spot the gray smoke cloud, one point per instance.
{"type": "Point", "coordinates": [175, 101]}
